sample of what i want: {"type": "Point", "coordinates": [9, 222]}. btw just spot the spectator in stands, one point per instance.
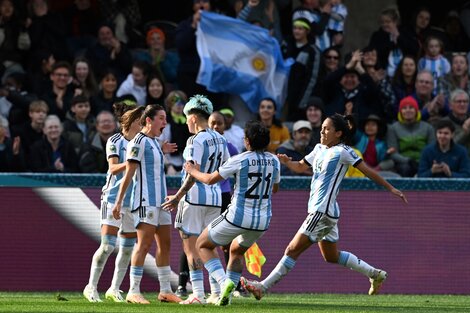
{"type": "Point", "coordinates": [407, 137]}
{"type": "Point", "coordinates": [107, 92]}
{"type": "Point", "coordinates": [433, 59]}
{"type": "Point", "coordinates": [233, 132]}
{"type": "Point", "coordinates": [330, 62]}
{"type": "Point", "coordinates": [79, 124]}
{"type": "Point", "coordinates": [382, 82]}
{"type": "Point", "coordinates": [392, 41]}
{"type": "Point", "coordinates": [349, 90]}
{"type": "Point", "coordinates": [264, 14]}
{"type": "Point", "coordinates": [109, 52]}
{"type": "Point", "coordinates": [404, 79]}
{"type": "Point", "coordinates": [125, 15]}
{"type": "Point", "coordinates": [303, 74]}
{"type": "Point", "coordinates": [47, 29]}
{"type": "Point", "coordinates": [315, 115]}
{"type": "Point", "coordinates": [188, 67]}
{"type": "Point", "coordinates": [83, 77]}
{"type": "Point", "coordinates": [460, 117]}
{"type": "Point", "coordinates": [81, 22]}
{"type": "Point", "coordinates": [432, 106]}
{"type": "Point", "coordinates": [135, 82]}
{"type": "Point", "coordinates": [32, 131]}
{"type": "Point", "coordinates": [455, 38]}
{"type": "Point", "coordinates": [177, 131]}
{"type": "Point", "coordinates": [59, 96]}
{"type": "Point", "coordinates": [444, 158]}
{"type": "Point", "coordinates": [165, 62]}
{"type": "Point", "coordinates": [338, 15]}
{"type": "Point", "coordinates": [458, 77]}
{"type": "Point", "coordinates": [297, 147]}
{"type": "Point", "coordinates": [92, 158]}
{"type": "Point", "coordinates": [267, 116]}
{"type": "Point", "coordinates": [155, 90]}
{"type": "Point", "coordinates": [11, 155]}
{"type": "Point", "coordinates": [14, 95]}
{"type": "Point", "coordinates": [14, 39]}
{"type": "Point", "coordinates": [371, 144]}
{"type": "Point", "coordinates": [421, 27]}
{"type": "Point", "coordinates": [39, 75]}
{"type": "Point", "coordinates": [53, 153]}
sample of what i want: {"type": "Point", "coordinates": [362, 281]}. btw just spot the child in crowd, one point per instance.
{"type": "Point", "coordinates": [433, 59]}
{"type": "Point", "coordinates": [338, 15]}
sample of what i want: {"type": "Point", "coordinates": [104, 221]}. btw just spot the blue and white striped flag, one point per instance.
{"type": "Point", "coordinates": [240, 58]}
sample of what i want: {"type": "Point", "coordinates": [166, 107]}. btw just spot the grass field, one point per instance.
{"type": "Point", "coordinates": [331, 303]}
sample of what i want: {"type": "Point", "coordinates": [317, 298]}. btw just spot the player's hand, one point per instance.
{"type": "Point", "coordinates": [171, 203]}
{"type": "Point", "coordinates": [169, 147]}
{"type": "Point", "coordinates": [284, 159]}
{"type": "Point", "coordinates": [117, 211]}
{"type": "Point", "coordinates": [399, 194]}
{"type": "Point", "coordinates": [189, 167]}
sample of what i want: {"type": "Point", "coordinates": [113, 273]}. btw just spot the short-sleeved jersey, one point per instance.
{"type": "Point", "coordinates": [338, 25]}
{"type": "Point", "coordinates": [329, 165]}
{"type": "Point", "coordinates": [208, 149]}
{"type": "Point", "coordinates": [255, 173]}
{"type": "Point", "coordinates": [115, 147]}
{"type": "Point", "coordinates": [149, 180]}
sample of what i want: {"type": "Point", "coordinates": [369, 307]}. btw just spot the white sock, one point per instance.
{"type": "Point", "coordinates": [281, 270]}
{"type": "Point", "coordinates": [215, 287]}
{"type": "Point", "coordinates": [164, 275]}
{"type": "Point", "coordinates": [108, 242]}
{"type": "Point", "coordinates": [351, 261]}
{"type": "Point", "coordinates": [122, 261]}
{"type": "Point", "coordinates": [197, 282]}
{"type": "Point", "coordinates": [135, 276]}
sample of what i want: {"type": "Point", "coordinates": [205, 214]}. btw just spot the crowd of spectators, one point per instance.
{"type": "Point", "coordinates": [62, 71]}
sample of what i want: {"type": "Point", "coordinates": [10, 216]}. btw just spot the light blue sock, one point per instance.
{"type": "Point", "coordinates": [197, 282]}
{"type": "Point", "coordinates": [351, 261]}
{"type": "Point", "coordinates": [216, 271]}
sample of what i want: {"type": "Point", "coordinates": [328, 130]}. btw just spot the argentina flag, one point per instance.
{"type": "Point", "coordinates": [242, 59]}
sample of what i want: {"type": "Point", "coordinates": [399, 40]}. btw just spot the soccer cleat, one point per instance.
{"type": "Point", "coordinates": [240, 292]}
{"type": "Point", "coordinates": [253, 286]}
{"type": "Point", "coordinates": [115, 295]}
{"type": "Point", "coordinates": [91, 294]}
{"type": "Point", "coordinates": [192, 299]}
{"type": "Point", "coordinates": [226, 295]}
{"type": "Point", "coordinates": [169, 297]}
{"type": "Point", "coordinates": [181, 292]}
{"type": "Point", "coordinates": [136, 298]}
{"type": "Point", "coordinates": [376, 282]}
{"type": "Point", "coordinates": [213, 298]}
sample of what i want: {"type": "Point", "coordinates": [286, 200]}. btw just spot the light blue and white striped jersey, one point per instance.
{"type": "Point", "coordinates": [255, 173]}
{"type": "Point", "coordinates": [149, 180]}
{"type": "Point", "coordinates": [208, 149]}
{"type": "Point", "coordinates": [341, 12]}
{"type": "Point", "coordinates": [329, 165]}
{"type": "Point", "coordinates": [115, 147]}
{"type": "Point", "coordinates": [438, 67]}
{"type": "Point", "coordinates": [394, 58]}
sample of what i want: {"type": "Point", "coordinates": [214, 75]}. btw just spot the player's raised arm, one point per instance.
{"type": "Point", "coordinates": [295, 166]}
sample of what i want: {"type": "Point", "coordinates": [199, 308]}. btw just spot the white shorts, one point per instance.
{"type": "Point", "coordinates": [126, 223]}
{"type": "Point", "coordinates": [221, 233]}
{"type": "Point", "coordinates": [192, 219]}
{"type": "Point", "coordinates": [318, 226]}
{"type": "Point", "coordinates": [151, 215]}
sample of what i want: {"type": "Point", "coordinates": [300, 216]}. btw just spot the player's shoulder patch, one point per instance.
{"type": "Point", "coordinates": [135, 151]}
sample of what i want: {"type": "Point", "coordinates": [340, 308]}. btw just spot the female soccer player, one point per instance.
{"type": "Point", "coordinates": [329, 161]}
{"type": "Point", "coordinates": [249, 213]}
{"type": "Point", "coordinates": [145, 165]}
{"type": "Point", "coordinates": [116, 155]}
{"type": "Point", "coordinates": [202, 203]}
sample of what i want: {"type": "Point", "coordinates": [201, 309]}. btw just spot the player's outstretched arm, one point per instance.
{"type": "Point", "coordinates": [206, 178]}
{"type": "Point", "coordinates": [373, 175]}
{"type": "Point", "coordinates": [295, 166]}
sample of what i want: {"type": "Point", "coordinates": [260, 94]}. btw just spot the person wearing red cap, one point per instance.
{"type": "Point", "coordinates": [408, 136]}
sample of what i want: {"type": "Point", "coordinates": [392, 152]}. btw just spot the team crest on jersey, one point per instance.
{"type": "Point", "coordinates": [134, 151]}
{"type": "Point", "coordinates": [112, 149]}
{"type": "Point", "coordinates": [353, 154]}
{"type": "Point", "coordinates": [150, 215]}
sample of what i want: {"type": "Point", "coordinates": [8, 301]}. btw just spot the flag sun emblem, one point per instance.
{"type": "Point", "coordinates": [258, 63]}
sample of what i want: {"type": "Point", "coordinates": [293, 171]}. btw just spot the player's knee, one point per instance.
{"type": "Point", "coordinates": [107, 248]}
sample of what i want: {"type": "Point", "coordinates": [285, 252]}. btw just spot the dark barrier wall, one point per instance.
{"type": "Point", "coordinates": [424, 246]}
